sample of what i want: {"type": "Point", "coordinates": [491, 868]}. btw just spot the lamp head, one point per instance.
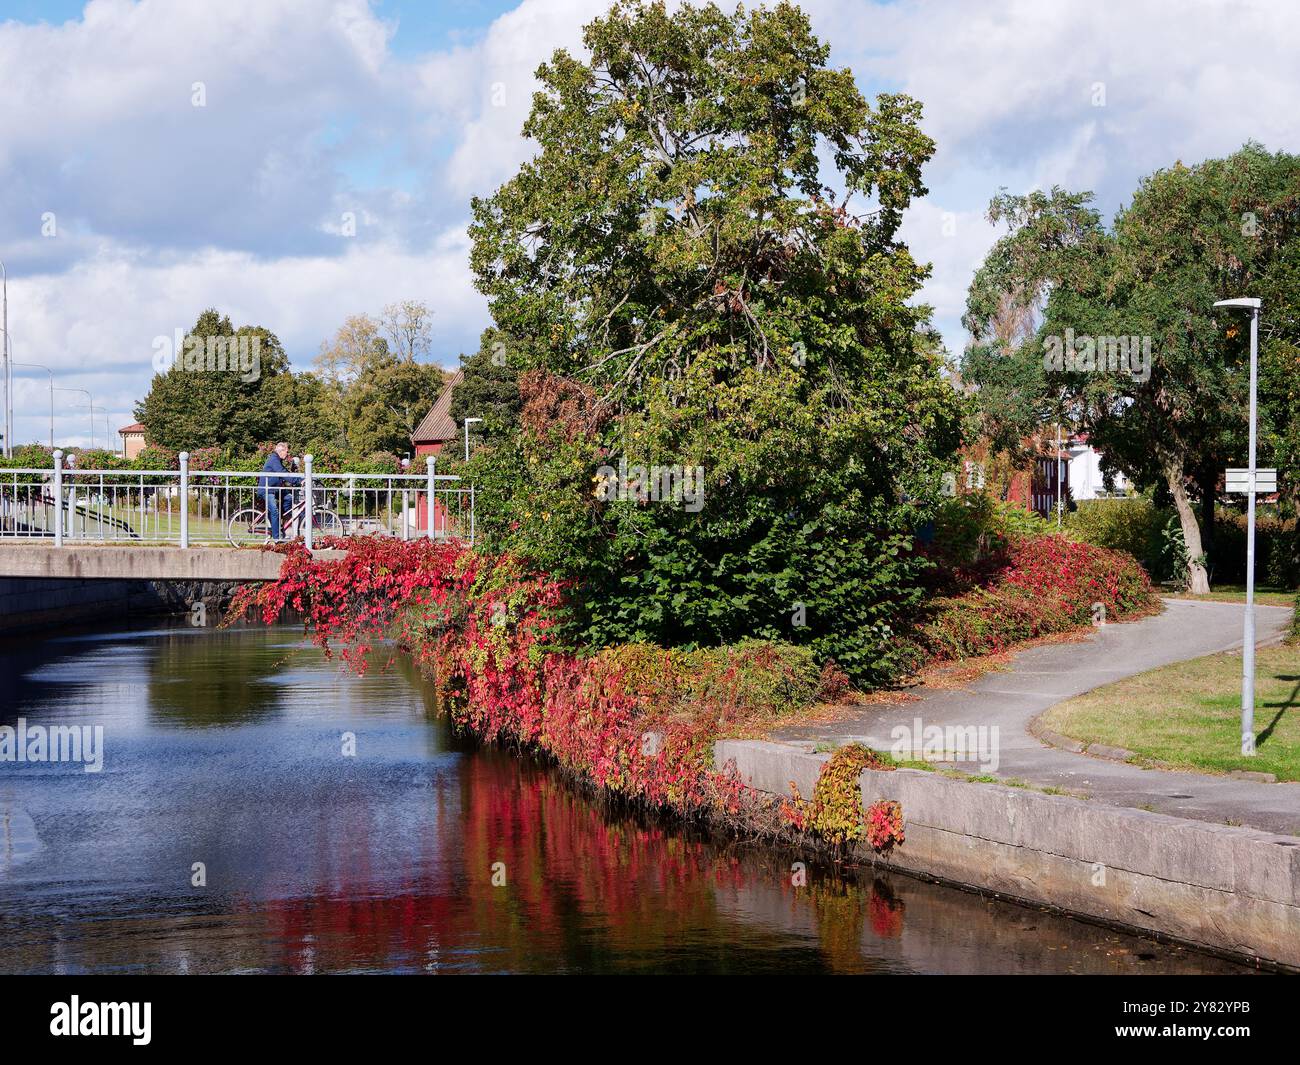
{"type": "Point", "coordinates": [1241, 301]}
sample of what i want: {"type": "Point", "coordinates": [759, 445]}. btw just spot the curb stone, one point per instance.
{"type": "Point", "coordinates": [1115, 754]}
{"type": "Point", "coordinates": [1055, 739]}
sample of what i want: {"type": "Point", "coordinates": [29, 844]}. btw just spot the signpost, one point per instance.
{"type": "Point", "coordinates": [1251, 481]}
{"type": "Point", "coordinates": [1239, 482]}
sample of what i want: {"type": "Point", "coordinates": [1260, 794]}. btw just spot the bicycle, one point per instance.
{"type": "Point", "coordinates": [252, 525]}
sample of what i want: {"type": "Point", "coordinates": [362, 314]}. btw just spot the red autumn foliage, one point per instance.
{"type": "Point", "coordinates": [481, 628]}
{"type": "Point", "coordinates": [641, 722]}
{"type": "Point", "coordinates": [835, 814]}
{"type": "Point", "coordinates": [1036, 586]}
{"type": "Point", "coordinates": [552, 403]}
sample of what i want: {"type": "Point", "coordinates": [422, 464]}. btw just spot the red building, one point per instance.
{"type": "Point", "coordinates": [437, 426]}
{"type": "Point", "coordinates": [1033, 485]}
{"type": "Point", "coordinates": [429, 438]}
{"type": "Point", "coordinates": [1051, 470]}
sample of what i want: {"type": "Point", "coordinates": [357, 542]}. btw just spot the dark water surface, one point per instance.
{"type": "Point", "coordinates": [226, 748]}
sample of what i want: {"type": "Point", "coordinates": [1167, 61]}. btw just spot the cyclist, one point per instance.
{"type": "Point", "coordinates": [272, 490]}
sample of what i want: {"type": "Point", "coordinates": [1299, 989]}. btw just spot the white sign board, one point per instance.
{"type": "Point", "coordinates": [1239, 481]}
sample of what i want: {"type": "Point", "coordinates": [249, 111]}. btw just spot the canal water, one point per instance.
{"type": "Point", "coordinates": [260, 810]}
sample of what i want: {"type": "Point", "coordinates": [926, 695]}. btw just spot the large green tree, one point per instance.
{"type": "Point", "coordinates": [386, 402]}
{"type": "Point", "coordinates": [489, 389]}
{"type": "Point", "coordinates": [1191, 236]}
{"type": "Point", "coordinates": [307, 413]}
{"type": "Point", "coordinates": [187, 407]}
{"type": "Point", "coordinates": [376, 387]}
{"type": "Point", "coordinates": [700, 266]}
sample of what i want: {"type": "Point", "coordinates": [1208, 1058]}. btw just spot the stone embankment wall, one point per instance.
{"type": "Point", "coordinates": [1235, 891]}
{"type": "Point", "coordinates": [34, 603]}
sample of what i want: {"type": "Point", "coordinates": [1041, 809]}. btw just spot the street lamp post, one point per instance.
{"type": "Point", "coordinates": [467, 421]}
{"type": "Point", "coordinates": [108, 436]}
{"type": "Point", "coordinates": [1060, 495]}
{"type": "Point", "coordinates": [4, 319]}
{"type": "Point", "coordinates": [38, 366]}
{"type": "Point", "coordinates": [92, 408]}
{"type": "Point", "coordinates": [1248, 638]}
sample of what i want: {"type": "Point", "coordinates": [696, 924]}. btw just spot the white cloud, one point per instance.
{"type": "Point", "coordinates": [954, 242]}
{"type": "Point", "coordinates": [164, 209]}
{"type": "Point", "coordinates": [301, 299]}
{"type": "Point", "coordinates": [490, 147]}
{"type": "Point", "coordinates": [1010, 88]}
{"type": "Point", "coordinates": [99, 123]}
{"type": "Point", "coordinates": [1015, 80]}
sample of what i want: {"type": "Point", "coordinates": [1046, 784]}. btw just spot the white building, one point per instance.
{"type": "Point", "coordinates": [1085, 473]}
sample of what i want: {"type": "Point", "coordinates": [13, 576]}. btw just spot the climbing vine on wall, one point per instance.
{"type": "Point", "coordinates": [835, 813]}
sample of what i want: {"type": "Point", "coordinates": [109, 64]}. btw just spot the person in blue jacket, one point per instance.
{"type": "Point", "coordinates": [272, 490]}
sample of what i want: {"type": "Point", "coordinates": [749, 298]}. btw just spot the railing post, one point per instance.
{"type": "Point", "coordinates": [185, 498]}
{"type": "Point", "coordinates": [307, 499]}
{"type": "Point", "coordinates": [58, 499]}
{"type": "Point", "coordinates": [429, 467]}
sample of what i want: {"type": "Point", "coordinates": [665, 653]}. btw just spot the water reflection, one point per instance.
{"type": "Point", "coordinates": [419, 854]}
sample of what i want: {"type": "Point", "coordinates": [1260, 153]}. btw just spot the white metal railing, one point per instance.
{"type": "Point", "coordinates": [192, 507]}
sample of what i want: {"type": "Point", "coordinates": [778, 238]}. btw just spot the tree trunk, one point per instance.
{"type": "Point", "coordinates": [1208, 485]}
{"type": "Point", "coordinates": [1198, 581]}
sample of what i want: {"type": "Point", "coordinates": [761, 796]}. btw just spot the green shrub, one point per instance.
{"type": "Point", "coordinates": [986, 621]}
{"type": "Point", "coordinates": [1282, 559]}
{"type": "Point", "coordinates": [971, 527]}
{"type": "Point", "coordinates": [1153, 535]}
{"type": "Point", "coordinates": [1134, 525]}
{"type": "Point", "coordinates": [760, 673]}
{"type": "Point", "coordinates": [29, 457]}
{"type": "Point", "coordinates": [1175, 564]}
{"type": "Point", "coordinates": [1276, 547]}
{"type": "Point", "coordinates": [152, 457]}
{"type": "Point", "coordinates": [1047, 584]}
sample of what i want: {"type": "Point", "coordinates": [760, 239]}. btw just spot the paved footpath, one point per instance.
{"type": "Point", "coordinates": [1043, 676]}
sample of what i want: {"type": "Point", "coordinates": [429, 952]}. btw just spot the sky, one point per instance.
{"type": "Point", "coordinates": [158, 157]}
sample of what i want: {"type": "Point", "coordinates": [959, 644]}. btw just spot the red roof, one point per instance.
{"type": "Point", "coordinates": [437, 426]}
{"type": "Point", "coordinates": [136, 428]}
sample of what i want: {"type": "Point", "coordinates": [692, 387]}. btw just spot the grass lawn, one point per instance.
{"type": "Point", "coordinates": [1265, 595]}
{"type": "Point", "coordinates": [202, 529]}
{"type": "Point", "coordinates": [1189, 714]}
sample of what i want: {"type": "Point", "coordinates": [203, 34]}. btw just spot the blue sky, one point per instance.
{"type": "Point", "coordinates": [125, 210]}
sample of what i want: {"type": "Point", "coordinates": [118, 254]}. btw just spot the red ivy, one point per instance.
{"type": "Point", "coordinates": [482, 628]}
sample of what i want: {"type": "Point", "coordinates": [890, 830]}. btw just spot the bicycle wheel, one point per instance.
{"type": "Point", "coordinates": [248, 526]}
{"type": "Point", "coordinates": [325, 523]}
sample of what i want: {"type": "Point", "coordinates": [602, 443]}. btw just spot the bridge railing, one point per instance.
{"type": "Point", "coordinates": [196, 507]}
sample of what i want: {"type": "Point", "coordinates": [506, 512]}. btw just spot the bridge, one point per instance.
{"type": "Point", "coordinates": [40, 561]}
{"type": "Point", "coordinates": [205, 525]}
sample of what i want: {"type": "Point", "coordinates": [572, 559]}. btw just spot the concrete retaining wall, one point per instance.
{"type": "Point", "coordinates": [1233, 890]}
{"type": "Point", "coordinates": [28, 604]}
{"type": "Point", "coordinates": [81, 562]}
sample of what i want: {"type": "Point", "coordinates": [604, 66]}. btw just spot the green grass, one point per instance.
{"type": "Point", "coordinates": [1188, 715]}
{"type": "Point", "coordinates": [1266, 595]}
